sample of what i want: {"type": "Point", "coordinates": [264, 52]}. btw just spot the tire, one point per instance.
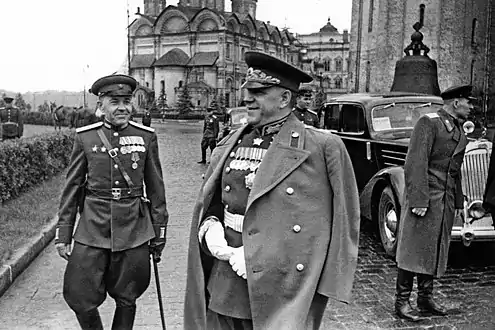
{"type": "Point", "coordinates": [388, 220]}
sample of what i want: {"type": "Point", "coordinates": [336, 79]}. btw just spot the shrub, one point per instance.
{"type": "Point", "coordinates": [26, 162]}
{"type": "Point", "coordinates": [38, 118]}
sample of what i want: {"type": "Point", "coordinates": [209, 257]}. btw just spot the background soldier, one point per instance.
{"type": "Point", "coordinates": [210, 134]}
{"type": "Point", "coordinates": [303, 102]}
{"type": "Point", "coordinates": [433, 192]}
{"type": "Point", "coordinates": [117, 229]}
{"type": "Point", "coordinates": [147, 118]}
{"type": "Point", "coordinates": [262, 254]}
{"type": "Point", "coordinates": [11, 119]}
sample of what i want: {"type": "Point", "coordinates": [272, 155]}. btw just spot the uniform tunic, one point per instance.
{"type": "Point", "coordinates": [432, 180]}
{"type": "Point", "coordinates": [12, 122]}
{"type": "Point", "coordinates": [107, 222]}
{"type": "Point", "coordinates": [228, 291]}
{"type": "Point", "coordinates": [307, 116]}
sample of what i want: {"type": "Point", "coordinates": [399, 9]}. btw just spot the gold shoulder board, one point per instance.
{"type": "Point", "coordinates": [88, 127]}
{"type": "Point", "coordinates": [146, 128]}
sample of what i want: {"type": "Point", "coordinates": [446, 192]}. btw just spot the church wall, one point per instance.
{"type": "Point", "coordinates": [172, 76]}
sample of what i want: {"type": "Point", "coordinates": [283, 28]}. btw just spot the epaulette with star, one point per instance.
{"type": "Point", "coordinates": [146, 128]}
{"type": "Point", "coordinates": [88, 127]}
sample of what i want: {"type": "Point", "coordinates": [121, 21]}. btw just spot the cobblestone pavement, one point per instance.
{"type": "Point", "coordinates": [35, 300]}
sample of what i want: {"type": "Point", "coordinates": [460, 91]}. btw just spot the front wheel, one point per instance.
{"type": "Point", "coordinates": [388, 221]}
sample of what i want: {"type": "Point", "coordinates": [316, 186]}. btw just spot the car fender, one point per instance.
{"type": "Point", "coordinates": [368, 199]}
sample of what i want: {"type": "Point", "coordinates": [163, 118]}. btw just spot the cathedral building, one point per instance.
{"type": "Point", "coordinates": [459, 34]}
{"type": "Point", "coordinates": [198, 46]}
{"type": "Point", "coordinates": [326, 59]}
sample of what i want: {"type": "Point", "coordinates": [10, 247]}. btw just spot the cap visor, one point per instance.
{"type": "Point", "coordinates": [255, 85]}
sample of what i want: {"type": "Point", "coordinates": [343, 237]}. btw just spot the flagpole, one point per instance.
{"type": "Point", "coordinates": [128, 42]}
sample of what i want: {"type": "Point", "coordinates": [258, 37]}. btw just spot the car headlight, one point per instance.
{"type": "Point", "coordinates": [476, 210]}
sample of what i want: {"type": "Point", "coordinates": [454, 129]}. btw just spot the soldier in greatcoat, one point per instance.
{"type": "Point", "coordinates": [211, 129]}
{"type": "Point", "coordinates": [275, 228]}
{"type": "Point", "coordinates": [432, 195]}
{"type": "Point", "coordinates": [114, 165]}
{"type": "Point", "coordinates": [11, 120]}
{"type": "Point", "coordinates": [303, 102]}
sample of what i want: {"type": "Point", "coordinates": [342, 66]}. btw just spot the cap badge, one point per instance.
{"type": "Point", "coordinates": [256, 75]}
{"type": "Point", "coordinates": [121, 86]}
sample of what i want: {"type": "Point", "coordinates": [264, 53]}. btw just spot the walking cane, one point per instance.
{"type": "Point", "coordinates": [159, 291]}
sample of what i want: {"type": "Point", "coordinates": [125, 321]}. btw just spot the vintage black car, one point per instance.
{"type": "Point", "coordinates": [234, 118]}
{"type": "Point", "coordinates": [376, 129]}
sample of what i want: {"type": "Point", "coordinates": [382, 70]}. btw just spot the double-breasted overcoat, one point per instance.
{"type": "Point", "coordinates": [433, 181]}
{"type": "Point", "coordinates": [309, 183]}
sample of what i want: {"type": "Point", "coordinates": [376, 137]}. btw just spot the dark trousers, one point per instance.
{"type": "Point", "coordinates": [205, 143]}
{"type": "Point", "coordinates": [217, 321]}
{"type": "Point", "coordinates": [92, 272]}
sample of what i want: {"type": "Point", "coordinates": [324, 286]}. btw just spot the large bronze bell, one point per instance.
{"type": "Point", "coordinates": [416, 72]}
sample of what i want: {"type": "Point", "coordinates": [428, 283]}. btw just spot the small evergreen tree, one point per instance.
{"type": "Point", "coordinates": [184, 103]}
{"type": "Point", "coordinates": [2, 102]}
{"type": "Point", "coordinates": [161, 102]}
{"type": "Point", "coordinates": [19, 102]}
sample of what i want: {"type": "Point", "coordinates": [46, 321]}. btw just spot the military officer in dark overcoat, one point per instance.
{"type": "Point", "coordinates": [432, 195]}
{"type": "Point", "coordinates": [303, 102]}
{"type": "Point", "coordinates": [276, 225]}
{"type": "Point", "coordinates": [11, 120]}
{"type": "Point", "coordinates": [210, 134]}
{"type": "Point", "coordinates": [147, 118]}
{"type": "Point", "coordinates": [114, 165]}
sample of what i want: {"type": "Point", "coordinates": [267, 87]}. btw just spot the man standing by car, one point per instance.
{"type": "Point", "coordinates": [11, 119]}
{"type": "Point", "coordinates": [210, 134]}
{"type": "Point", "coordinates": [118, 228]}
{"type": "Point", "coordinates": [432, 195]}
{"type": "Point", "coordinates": [303, 102]}
{"type": "Point", "coordinates": [270, 240]}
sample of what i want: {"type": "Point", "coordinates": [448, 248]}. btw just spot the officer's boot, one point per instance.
{"type": "Point", "coordinates": [404, 288]}
{"type": "Point", "coordinates": [203, 156]}
{"type": "Point", "coordinates": [426, 304]}
{"type": "Point", "coordinates": [123, 319]}
{"type": "Point", "coordinates": [90, 320]}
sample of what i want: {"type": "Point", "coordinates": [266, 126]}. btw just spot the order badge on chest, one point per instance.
{"type": "Point", "coordinates": [132, 145]}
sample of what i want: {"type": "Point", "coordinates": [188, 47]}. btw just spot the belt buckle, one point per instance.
{"type": "Point", "coordinates": [117, 193]}
{"type": "Point", "coordinates": [112, 153]}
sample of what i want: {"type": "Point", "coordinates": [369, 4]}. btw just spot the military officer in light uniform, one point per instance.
{"type": "Point", "coordinates": [303, 102]}
{"type": "Point", "coordinates": [11, 120]}
{"type": "Point", "coordinates": [275, 228]}
{"type": "Point", "coordinates": [117, 228]}
{"type": "Point", "coordinates": [433, 192]}
{"type": "Point", "coordinates": [210, 134]}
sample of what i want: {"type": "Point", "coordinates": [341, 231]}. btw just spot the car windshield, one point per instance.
{"type": "Point", "coordinates": [400, 116]}
{"type": "Point", "coordinates": [238, 116]}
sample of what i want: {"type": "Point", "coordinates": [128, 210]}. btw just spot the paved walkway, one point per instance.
{"type": "Point", "coordinates": [35, 300]}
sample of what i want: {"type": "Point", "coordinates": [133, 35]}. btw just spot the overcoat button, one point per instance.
{"type": "Point", "coordinates": [296, 228]}
{"type": "Point", "coordinates": [227, 206]}
{"type": "Point", "coordinates": [232, 154]}
{"type": "Point", "coordinates": [227, 188]}
{"type": "Point", "coordinates": [300, 267]}
{"type": "Point", "coordinates": [115, 134]}
{"type": "Point", "coordinates": [116, 166]}
{"type": "Point", "coordinates": [227, 170]}
{"type": "Point", "coordinates": [117, 182]}
{"type": "Point", "coordinates": [290, 191]}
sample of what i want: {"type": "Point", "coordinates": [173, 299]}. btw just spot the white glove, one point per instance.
{"type": "Point", "coordinates": [238, 262]}
{"type": "Point", "coordinates": [216, 242]}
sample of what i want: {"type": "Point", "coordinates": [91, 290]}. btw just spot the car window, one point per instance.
{"type": "Point", "coordinates": [331, 117]}
{"type": "Point", "coordinates": [400, 115]}
{"type": "Point", "coordinates": [352, 119]}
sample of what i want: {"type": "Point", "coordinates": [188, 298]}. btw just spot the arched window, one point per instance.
{"type": "Point", "coordinates": [368, 76]}
{"type": "Point", "coordinates": [473, 32]}
{"type": "Point", "coordinates": [162, 85]}
{"type": "Point", "coordinates": [371, 13]}
{"type": "Point", "coordinates": [338, 82]}
{"type": "Point", "coordinates": [326, 65]}
{"type": "Point", "coordinates": [338, 65]}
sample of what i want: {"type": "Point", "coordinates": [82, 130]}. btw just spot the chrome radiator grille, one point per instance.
{"type": "Point", "coordinates": [474, 173]}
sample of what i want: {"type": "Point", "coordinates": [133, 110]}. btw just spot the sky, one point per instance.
{"type": "Point", "coordinates": [68, 44]}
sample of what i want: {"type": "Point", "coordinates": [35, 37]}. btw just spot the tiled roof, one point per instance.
{"type": "Point", "coordinates": [142, 61]}
{"type": "Point", "coordinates": [175, 57]}
{"type": "Point", "coordinates": [203, 59]}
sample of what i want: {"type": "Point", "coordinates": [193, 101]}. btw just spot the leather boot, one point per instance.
{"type": "Point", "coordinates": [123, 319]}
{"type": "Point", "coordinates": [426, 304]}
{"type": "Point", "coordinates": [90, 320]}
{"type": "Point", "coordinates": [404, 286]}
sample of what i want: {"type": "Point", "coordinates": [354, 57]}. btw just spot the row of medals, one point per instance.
{"type": "Point", "coordinates": [248, 159]}
{"type": "Point", "coordinates": [132, 145]}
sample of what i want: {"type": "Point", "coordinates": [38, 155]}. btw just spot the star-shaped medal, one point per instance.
{"type": "Point", "coordinates": [95, 148]}
{"type": "Point", "coordinates": [257, 141]}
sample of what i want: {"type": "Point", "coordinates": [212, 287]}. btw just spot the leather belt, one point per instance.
{"type": "Point", "coordinates": [116, 193]}
{"type": "Point", "coordinates": [233, 221]}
